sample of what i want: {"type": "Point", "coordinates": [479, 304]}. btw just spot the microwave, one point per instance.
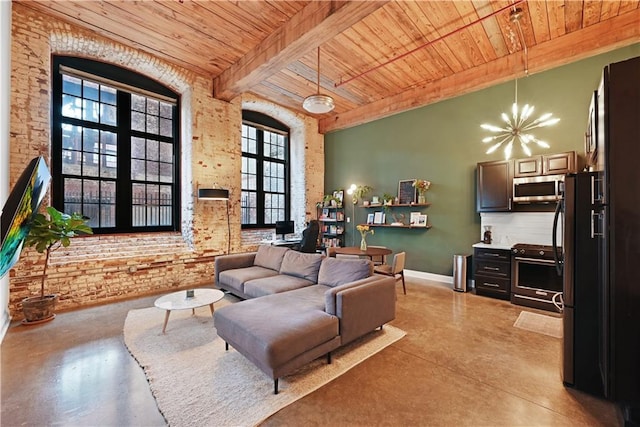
{"type": "Point", "coordinates": [536, 189]}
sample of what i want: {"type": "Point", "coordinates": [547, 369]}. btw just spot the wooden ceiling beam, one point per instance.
{"type": "Point", "coordinates": [605, 36]}
{"type": "Point", "coordinates": [317, 23]}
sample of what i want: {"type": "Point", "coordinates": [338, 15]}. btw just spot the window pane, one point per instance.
{"type": "Point", "coordinates": [90, 140]}
{"type": "Point", "coordinates": [109, 114]}
{"type": "Point", "coordinates": [153, 171]}
{"type": "Point", "coordinates": [71, 136]}
{"type": "Point", "coordinates": [153, 106]}
{"type": "Point", "coordinates": [152, 150]}
{"type": "Point", "coordinates": [107, 204]}
{"type": "Point", "coordinates": [90, 90]}
{"type": "Point", "coordinates": [137, 170]}
{"type": "Point", "coordinates": [166, 127]}
{"type": "Point", "coordinates": [138, 148]}
{"type": "Point", "coordinates": [72, 195]}
{"type": "Point", "coordinates": [138, 102]}
{"type": "Point", "coordinates": [71, 85]}
{"type": "Point", "coordinates": [109, 165]}
{"type": "Point", "coordinates": [166, 110]}
{"type": "Point", "coordinates": [152, 124]}
{"type": "Point", "coordinates": [166, 201]}
{"type": "Point", "coordinates": [137, 121]}
{"type": "Point", "coordinates": [108, 95]}
{"type": "Point", "coordinates": [166, 152]}
{"type": "Point", "coordinates": [71, 106]}
{"type": "Point", "coordinates": [91, 111]}
{"type": "Point", "coordinates": [166, 172]}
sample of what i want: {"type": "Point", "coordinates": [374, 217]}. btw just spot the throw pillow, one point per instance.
{"type": "Point", "coordinates": [269, 256]}
{"type": "Point", "coordinates": [335, 272]}
{"type": "Point", "coordinates": [299, 264]}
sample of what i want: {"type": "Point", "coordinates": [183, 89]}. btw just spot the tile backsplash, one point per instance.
{"type": "Point", "coordinates": [509, 228]}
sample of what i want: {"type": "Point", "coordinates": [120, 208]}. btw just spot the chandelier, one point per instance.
{"type": "Point", "coordinates": [518, 126]}
{"type": "Point", "coordinates": [318, 104]}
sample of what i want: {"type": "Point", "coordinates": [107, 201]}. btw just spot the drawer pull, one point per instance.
{"type": "Point", "coordinates": [492, 268]}
{"type": "Point", "coordinates": [493, 285]}
{"type": "Point", "coordinates": [490, 254]}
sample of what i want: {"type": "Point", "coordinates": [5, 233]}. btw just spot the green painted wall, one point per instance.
{"type": "Point", "coordinates": [442, 143]}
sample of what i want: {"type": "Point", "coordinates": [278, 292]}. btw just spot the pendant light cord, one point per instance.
{"type": "Point", "coordinates": [318, 90]}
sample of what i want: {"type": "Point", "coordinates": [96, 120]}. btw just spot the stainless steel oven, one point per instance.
{"type": "Point", "coordinates": [534, 279]}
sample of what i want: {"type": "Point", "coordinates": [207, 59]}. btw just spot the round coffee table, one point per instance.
{"type": "Point", "coordinates": [179, 301]}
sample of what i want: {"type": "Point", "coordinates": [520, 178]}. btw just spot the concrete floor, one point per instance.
{"type": "Point", "coordinates": [461, 363]}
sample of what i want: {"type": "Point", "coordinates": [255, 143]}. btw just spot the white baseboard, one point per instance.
{"type": "Point", "coordinates": [429, 276]}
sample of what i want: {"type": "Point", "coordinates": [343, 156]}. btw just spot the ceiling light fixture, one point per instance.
{"type": "Point", "coordinates": [318, 104]}
{"type": "Point", "coordinates": [518, 125]}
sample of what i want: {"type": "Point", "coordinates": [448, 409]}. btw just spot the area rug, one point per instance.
{"type": "Point", "coordinates": [540, 323]}
{"type": "Point", "coordinates": [196, 382]}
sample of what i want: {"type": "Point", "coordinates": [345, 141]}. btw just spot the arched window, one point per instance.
{"type": "Point", "coordinates": [265, 170]}
{"type": "Point", "coordinates": [115, 147]}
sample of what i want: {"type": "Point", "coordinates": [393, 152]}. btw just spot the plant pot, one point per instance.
{"type": "Point", "coordinates": [36, 309]}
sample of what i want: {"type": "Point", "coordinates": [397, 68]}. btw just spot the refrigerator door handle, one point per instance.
{"type": "Point", "coordinates": [596, 216]}
{"type": "Point", "coordinates": [554, 238]}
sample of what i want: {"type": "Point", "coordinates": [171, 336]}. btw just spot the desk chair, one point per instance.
{"type": "Point", "coordinates": [309, 240]}
{"type": "Point", "coordinates": [395, 270]}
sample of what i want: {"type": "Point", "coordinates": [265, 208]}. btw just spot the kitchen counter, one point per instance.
{"type": "Point", "coordinates": [492, 246]}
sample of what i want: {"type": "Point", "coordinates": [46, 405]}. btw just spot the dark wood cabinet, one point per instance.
{"type": "Point", "coordinates": [531, 166]}
{"type": "Point", "coordinates": [495, 186]}
{"type": "Point", "coordinates": [546, 164]}
{"type": "Point", "coordinates": [559, 164]}
{"type": "Point", "coordinates": [492, 272]}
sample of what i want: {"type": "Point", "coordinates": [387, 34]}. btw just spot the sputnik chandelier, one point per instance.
{"type": "Point", "coordinates": [518, 124]}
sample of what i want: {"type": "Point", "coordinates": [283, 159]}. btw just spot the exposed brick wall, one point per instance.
{"type": "Point", "coordinates": [97, 269]}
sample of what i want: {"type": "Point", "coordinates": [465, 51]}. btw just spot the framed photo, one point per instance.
{"type": "Point", "coordinates": [339, 194]}
{"type": "Point", "coordinates": [370, 218]}
{"type": "Point", "coordinates": [414, 218]}
{"type": "Point", "coordinates": [422, 221]}
{"type": "Point", "coordinates": [378, 218]}
{"type": "Point", "coordinates": [406, 192]}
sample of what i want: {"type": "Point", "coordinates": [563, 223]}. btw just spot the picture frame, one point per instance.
{"type": "Point", "coordinates": [370, 218]}
{"type": "Point", "coordinates": [378, 217]}
{"type": "Point", "coordinates": [422, 221]}
{"type": "Point", "coordinates": [339, 194]}
{"type": "Point", "coordinates": [414, 218]}
{"type": "Point", "coordinates": [406, 192]}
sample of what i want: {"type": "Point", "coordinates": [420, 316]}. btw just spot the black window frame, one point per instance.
{"type": "Point", "coordinates": [263, 122]}
{"type": "Point", "coordinates": [123, 183]}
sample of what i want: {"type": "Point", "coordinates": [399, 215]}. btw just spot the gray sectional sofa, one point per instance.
{"type": "Point", "coordinates": [298, 306]}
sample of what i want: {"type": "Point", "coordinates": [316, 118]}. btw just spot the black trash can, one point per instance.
{"type": "Point", "coordinates": [462, 273]}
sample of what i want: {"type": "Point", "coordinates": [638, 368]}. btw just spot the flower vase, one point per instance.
{"type": "Point", "coordinates": [363, 244]}
{"type": "Point", "coordinates": [422, 198]}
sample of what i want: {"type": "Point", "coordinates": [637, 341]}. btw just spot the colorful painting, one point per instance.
{"type": "Point", "coordinates": [23, 202]}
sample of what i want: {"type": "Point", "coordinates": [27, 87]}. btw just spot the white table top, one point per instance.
{"type": "Point", "coordinates": [492, 245]}
{"type": "Point", "coordinates": [179, 301]}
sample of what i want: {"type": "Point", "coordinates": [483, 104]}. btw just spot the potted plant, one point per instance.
{"type": "Point", "coordinates": [387, 198]}
{"type": "Point", "coordinates": [359, 192]}
{"type": "Point", "coordinates": [330, 200]}
{"type": "Point", "coordinates": [46, 235]}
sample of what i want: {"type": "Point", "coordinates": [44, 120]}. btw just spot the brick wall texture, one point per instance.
{"type": "Point", "coordinates": [106, 268]}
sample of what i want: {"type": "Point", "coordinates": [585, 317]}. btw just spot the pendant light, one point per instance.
{"type": "Point", "coordinates": [518, 127]}
{"type": "Point", "coordinates": [318, 104]}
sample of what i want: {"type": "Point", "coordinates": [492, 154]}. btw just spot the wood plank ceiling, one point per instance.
{"type": "Point", "coordinates": [377, 57]}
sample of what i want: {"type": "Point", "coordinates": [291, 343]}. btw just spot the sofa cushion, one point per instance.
{"type": "Point", "coordinates": [335, 272]}
{"type": "Point", "coordinates": [269, 256]}
{"type": "Point", "coordinates": [274, 284]}
{"type": "Point", "coordinates": [235, 278]}
{"type": "Point", "coordinates": [302, 265]}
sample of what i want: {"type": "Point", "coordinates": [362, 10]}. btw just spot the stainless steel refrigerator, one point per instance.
{"type": "Point", "coordinates": [601, 247]}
